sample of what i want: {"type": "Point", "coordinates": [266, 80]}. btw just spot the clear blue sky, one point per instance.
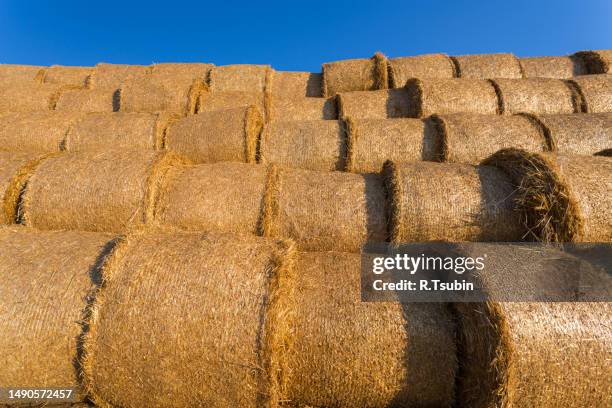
{"type": "Point", "coordinates": [292, 35]}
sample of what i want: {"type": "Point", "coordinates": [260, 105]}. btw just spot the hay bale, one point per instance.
{"type": "Point", "coordinates": [217, 101]}
{"type": "Point", "coordinates": [185, 71]}
{"type": "Point", "coordinates": [67, 75]}
{"type": "Point", "coordinates": [114, 75]}
{"type": "Point", "coordinates": [560, 198]}
{"type": "Point", "coordinates": [313, 144]}
{"type": "Point", "coordinates": [443, 96]}
{"type": "Point", "coordinates": [239, 78]}
{"type": "Point", "coordinates": [15, 169]}
{"type": "Point", "coordinates": [28, 98]}
{"type": "Point", "coordinates": [485, 66]}
{"type": "Point", "coordinates": [42, 305]}
{"type": "Point", "coordinates": [579, 133]}
{"type": "Point", "coordinates": [287, 109]}
{"type": "Point", "coordinates": [464, 203]}
{"type": "Point", "coordinates": [471, 138]}
{"type": "Point", "coordinates": [420, 66]}
{"type": "Point", "coordinates": [16, 75]}
{"type": "Point", "coordinates": [88, 100]}
{"type": "Point", "coordinates": [288, 85]}
{"type": "Point", "coordinates": [537, 96]}
{"type": "Point", "coordinates": [103, 131]}
{"type": "Point", "coordinates": [349, 353]}
{"type": "Point", "coordinates": [371, 142]}
{"type": "Point", "coordinates": [596, 91]}
{"type": "Point", "coordinates": [355, 75]}
{"type": "Point", "coordinates": [231, 353]}
{"type": "Point", "coordinates": [324, 211]}
{"type": "Point", "coordinates": [553, 67]}
{"type": "Point", "coordinates": [597, 62]}
{"type": "Point", "coordinates": [42, 132]}
{"type": "Point", "coordinates": [387, 103]}
{"type": "Point", "coordinates": [226, 197]}
{"type": "Point", "coordinates": [161, 93]}
{"type": "Point", "coordinates": [94, 191]}
{"type": "Point", "coordinates": [532, 354]}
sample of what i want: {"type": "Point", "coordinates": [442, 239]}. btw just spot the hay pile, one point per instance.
{"type": "Point", "coordinates": [485, 66]}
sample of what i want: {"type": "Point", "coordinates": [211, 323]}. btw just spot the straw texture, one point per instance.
{"type": "Point", "coordinates": [314, 145]}
{"type": "Point", "coordinates": [296, 84]}
{"type": "Point", "coordinates": [355, 75]}
{"type": "Point", "coordinates": [300, 108]}
{"type": "Point", "coordinates": [391, 103]}
{"type": "Point", "coordinates": [466, 203]}
{"type": "Point", "coordinates": [216, 101]}
{"type": "Point", "coordinates": [230, 353]}
{"type": "Point", "coordinates": [579, 133]}
{"type": "Point", "coordinates": [225, 197]}
{"type": "Point", "coordinates": [597, 92]}
{"type": "Point", "coordinates": [597, 62]}
{"type": "Point", "coordinates": [420, 66]}
{"type": "Point", "coordinates": [538, 96]}
{"type": "Point", "coordinates": [58, 74]}
{"type": "Point", "coordinates": [239, 78]}
{"type": "Point", "coordinates": [14, 75]}
{"type": "Point", "coordinates": [553, 67]}
{"type": "Point", "coordinates": [485, 66]}
{"type": "Point", "coordinates": [114, 75]}
{"type": "Point", "coordinates": [349, 353]}
{"type": "Point", "coordinates": [14, 171]}
{"type": "Point", "coordinates": [88, 100]}
{"type": "Point", "coordinates": [42, 132]}
{"type": "Point", "coordinates": [27, 98]}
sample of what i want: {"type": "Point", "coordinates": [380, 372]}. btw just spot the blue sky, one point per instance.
{"type": "Point", "coordinates": [292, 35]}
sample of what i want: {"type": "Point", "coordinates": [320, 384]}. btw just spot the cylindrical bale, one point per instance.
{"type": "Point", "coordinates": [471, 138]}
{"type": "Point", "coordinates": [597, 92]}
{"type": "Point", "coordinates": [94, 191]}
{"type": "Point", "coordinates": [371, 142]}
{"type": "Point", "coordinates": [564, 67]}
{"type": "Point", "coordinates": [14, 75]}
{"type": "Point", "coordinates": [15, 169]}
{"type": "Point", "coordinates": [88, 100]}
{"type": "Point", "coordinates": [349, 353]}
{"type": "Point", "coordinates": [532, 354]}
{"type": "Point", "coordinates": [485, 66]}
{"type": "Point", "coordinates": [216, 334]}
{"type": "Point", "coordinates": [67, 75]}
{"type": "Point", "coordinates": [103, 131]}
{"type": "Point", "coordinates": [42, 305]}
{"type": "Point", "coordinates": [383, 104]}
{"type": "Point", "coordinates": [239, 78]}
{"type": "Point", "coordinates": [579, 133]}
{"type": "Point", "coordinates": [189, 71]}
{"type": "Point", "coordinates": [287, 84]}
{"type": "Point", "coordinates": [314, 144]}
{"type": "Point", "coordinates": [224, 135]}
{"type": "Point", "coordinates": [114, 75]}
{"type": "Point", "coordinates": [450, 202]}
{"type": "Point", "coordinates": [420, 66]}
{"type": "Point", "coordinates": [157, 94]}
{"type": "Point", "coordinates": [43, 132]}
{"type": "Point", "coordinates": [28, 98]}
{"type": "Point", "coordinates": [537, 96]}
{"type": "Point", "coordinates": [443, 96]}
{"type": "Point", "coordinates": [330, 211]}
{"type": "Point", "coordinates": [226, 197]}
{"type": "Point", "coordinates": [355, 75]}
{"type": "Point", "coordinates": [300, 108]}
{"type": "Point", "coordinates": [216, 101]}
{"type": "Point", "coordinates": [560, 198]}
{"type": "Point", "coordinates": [597, 62]}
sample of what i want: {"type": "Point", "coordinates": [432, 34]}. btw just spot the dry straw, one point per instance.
{"type": "Point", "coordinates": [597, 62]}
{"type": "Point", "coordinates": [537, 96]}
{"type": "Point", "coordinates": [66, 75]}
{"type": "Point", "coordinates": [485, 66]}
{"type": "Point", "coordinates": [226, 197]}
{"type": "Point", "coordinates": [349, 353]}
{"type": "Point", "coordinates": [15, 169]}
{"type": "Point", "coordinates": [16, 75]}
{"type": "Point", "coordinates": [420, 66]}
{"type": "Point", "coordinates": [466, 203]}
{"type": "Point", "coordinates": [283, 108]}
{"type": "Point", "coordinates": [28, 98]}
{"type": "Point", "coordinates": [314, 144]}
{"type": "Point", "coordinates": [42, 132]}
{"type": "Point", "coordinates": [216, 101]}
{"type": "Point", "coordinates": [224, 135]}
{"type": "Point", "coordinates": [324, 211]}
{"type": "Point", "coordinates": [560, 198]}
{"type": "Point", "coordinates": [239, 78]}
{"type": "Point", "coordinates": [88, 100]}
{"type": "Point", "coordinates": [289, 85]}
{"type": "Point", "coordinates": [443, 96]}
{"type": "Point", "coordinates": [232, 352]}
{"type": "Point", "coordinates": [596, 91]}
{"type": "Point", "coordinates": [42, 304]}
{"type": "Point", "coordinates": [355, 75]}
{"type": "Point", "coordinates": [471, 138]}
{"type": "Point", "coordinates": [553, 67]}
{"type": "Point", "coordinates": [371, 142]}
{"type": "Point", "coordinates": [579, 133]}
{"type": "Point", "coordinates": [383, 104]}
{"type": "Point", "coordinates": [114, 75]}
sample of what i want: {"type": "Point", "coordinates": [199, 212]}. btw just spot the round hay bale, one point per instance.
{"type": "Point", "coordinates": [450, 202]}
{"type": "Point", "coordinates": [485, 66]}
{"type": "Point", "coordinates": [89, 100]}
{"type": "Point", "coordinates": [42, 132]}
{"type": "Point", "coordinates": [186, 71]}
{"type": "Point", "coordinates": [420, 66]}
{"type": "Point", "coordinates": [28, 98]}
{"type": "Point", "coordinates": [443, 96]}
{"type": "Point", "coordinates": [579, 133]}
{"type": "Point", "coordinates": [471, 138]}
{"type": "Point", "coordinates": [230, 353]}
{"type": "Point", "coordinates": [102, 131]}
{"type": "Point", "coordinates": [312, 144]}
{"type": "Point", "coordinates": [297, 85]}
{"type": "Point", "coordinates": [349, 353]}
{"type": "Point", "coordinates": [371, 142]}
{"type": "Point", "coordinates": [94, 191]}
{"type": "Point", "coordinates": [67, 75]}
{"type": "Point", "coordinates": [114, 75]}
{"type": "Point", "coordinates": [355, 75]}
{"type": "Point", "coordinates": [553, 67]}
{"type": "Point", "coordinates": [239, 78]}
{"type": "Point", "coordinates": [217, 101]}
{"type": "Point", "coordinates": [331, 211]}
{"type": "Point", "coordinates": [14, 75]}
{"type": "Point", "coordinates": [287, 109]}
{"type": "Point", "coordinates": [597, 62]}
{"type": "Point", "coordinates": [560, 198]}
{"type": "Point", "coordinates": [596, 91]}
{"type": "Point", "coordinates": [160, 93]}
{"type": "Point", "coordinates": [383, 104]}
{"type": "Point", "coordinates": [537, 96]}
{"type": "Point", "coordinates": [41, 306]}
{"type": "Point", "coordinates": [15, 169]}
{"type": "Point", "coordinates": [225, 135]}
{"type": "Point", "coordinates": [226, 197]}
